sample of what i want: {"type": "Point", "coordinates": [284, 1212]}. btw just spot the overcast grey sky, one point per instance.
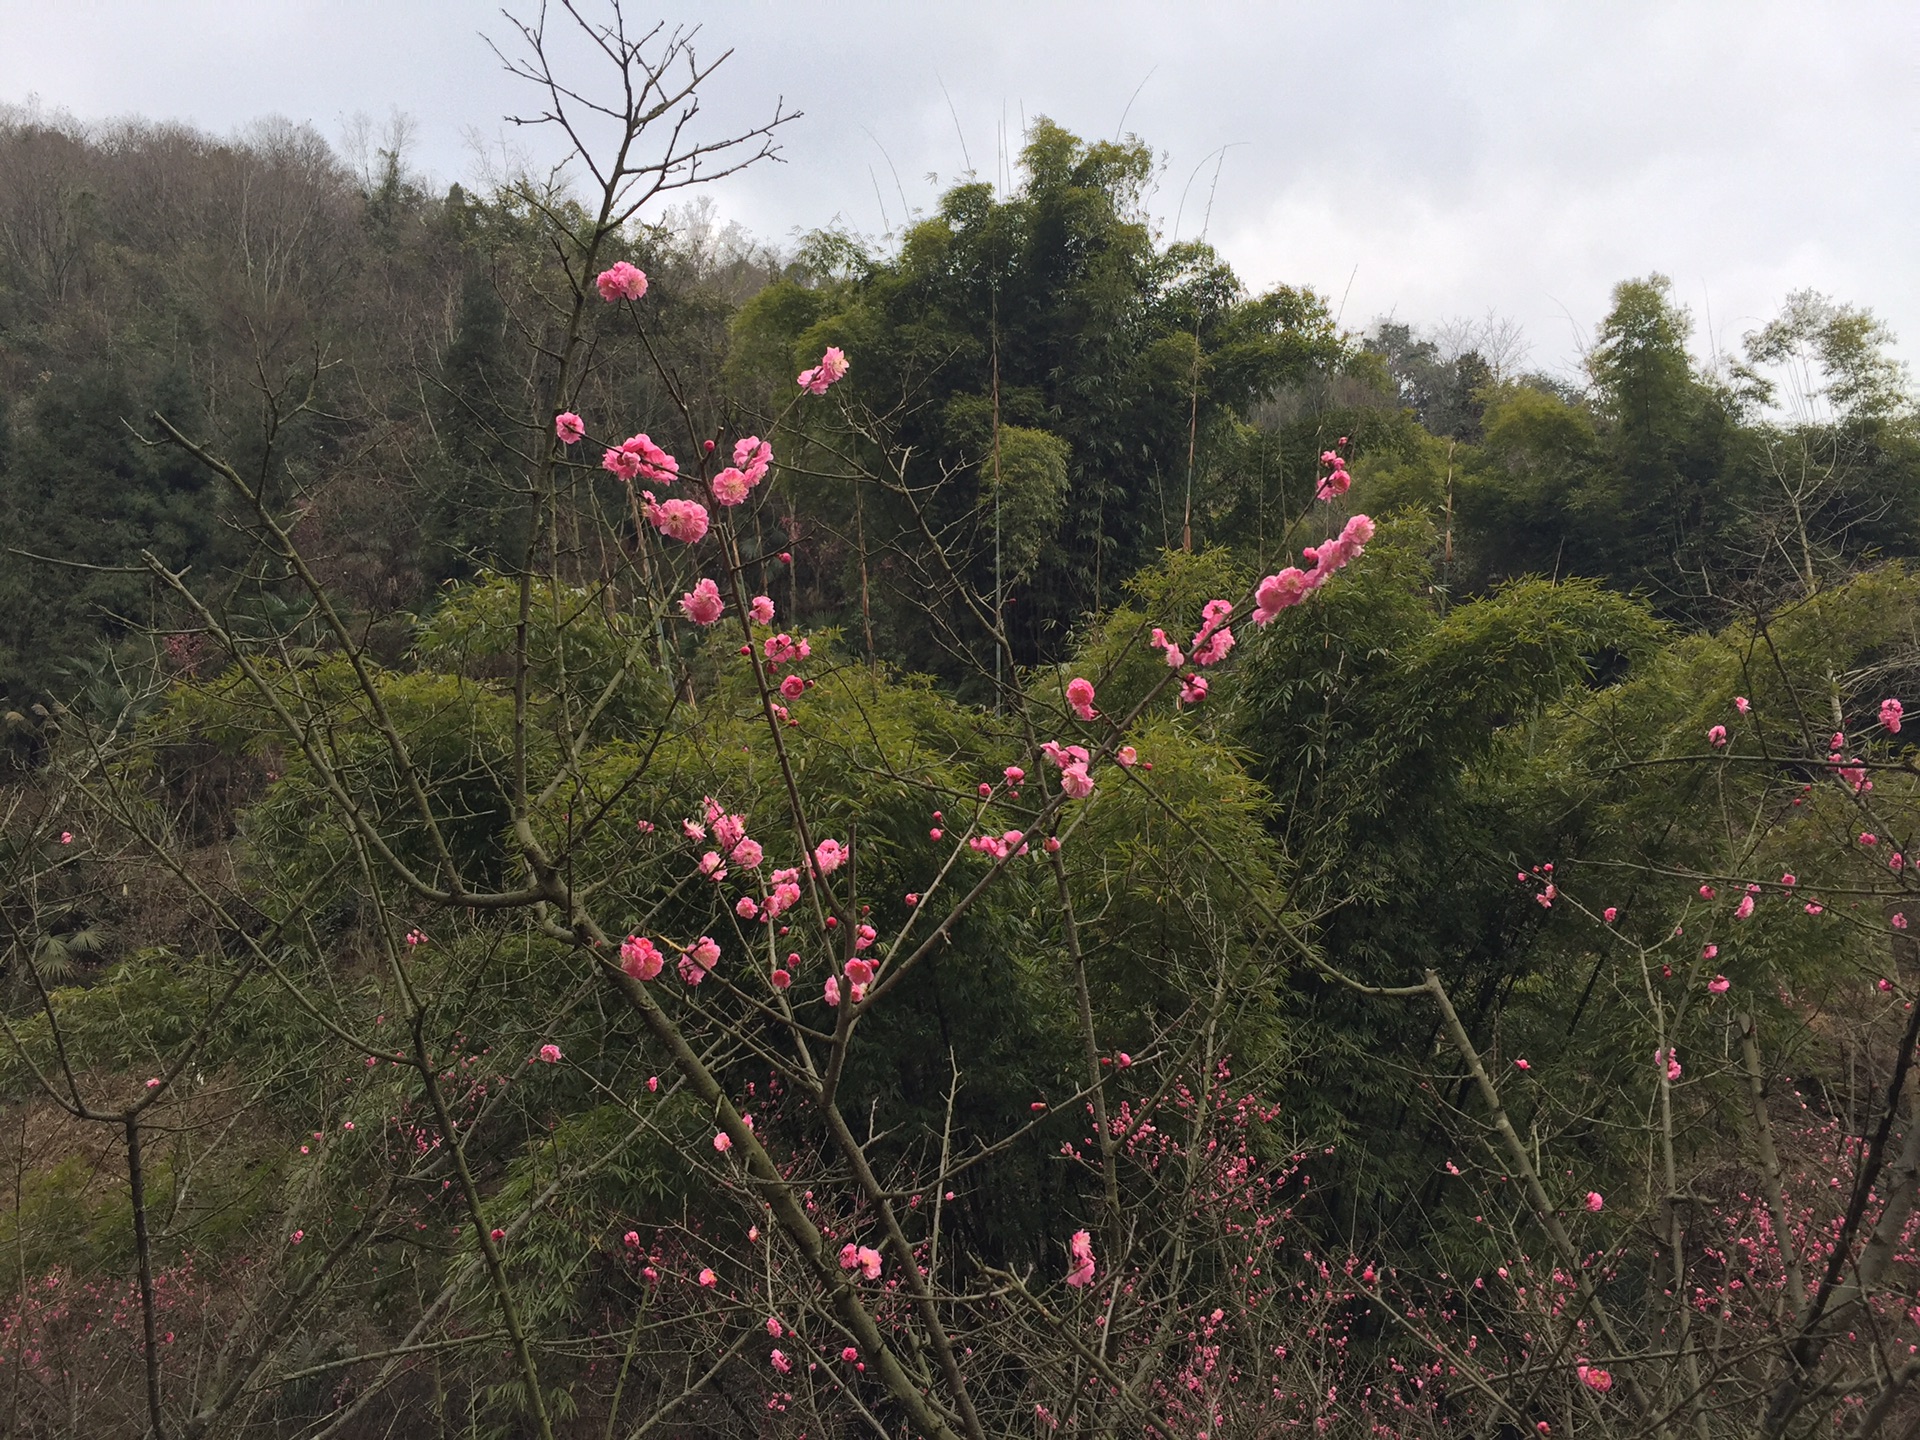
{"type": "Point", "coordinates": [1426, 161]}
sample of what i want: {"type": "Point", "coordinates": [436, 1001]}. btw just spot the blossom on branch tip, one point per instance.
{"type": "Point", "coordinates": [833, 365]}
{"type": "Point", "coordinates": [829, 856]}
{"type": "Point", "coordinates": [621, 281]}
{"type": "Point", "coordinates": [1890, 713]}
{"type": "Point", "coordinates": [550, 1054]}
{"type": "Point", "coordinates": [640, 958]}
{"type": "Point", "coordinates": [1744, 908]}
{"type": "Point", "coordinates": [1080, 697]}
{"type": "Point", "coordinates": [1081, 1248]}
{"type": "Point", "coordinates": [1741, 703]}
{"type": "Point", "coordinates": [1719, 985]}
{"type": "Point", "coordinates": [568, 427]}
{"type": "Point", "coordinates": [1214, 649]}
{"type": "Point", "coordinates": [701, 957]}
{"type": "Point", "coordinates": [702, 604]}
{"type": "Point", "coordinates": [638, 458]}
{"type": "Point", "coordinates": [683, 520]}
{"type": "Point", "coordinates": [1594, 1202]}
{"type": "Point", "coordinates": [1176, 657]}
{"type": "Point", "coordinates": [723, 1142]}
{"type": "Point", "coordinates": [1716, 735]}
{"type": "Point", "coordinates": [761, 610]}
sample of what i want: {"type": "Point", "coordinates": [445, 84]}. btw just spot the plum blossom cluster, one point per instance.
{"type": "Point", "coordinates": [833, 365]}
{"type": "Point", "coordinates": [638, 458]}
{"type": "Point", "coordinates": [1292, 585]}
{"type": "Point", "coordinates": [643, 960]}
{"type": "Point", "coordinates": [752, 457]}
{"type": "Point", "coordinates": [620, 281]}
{"type": "Point", "coordinates": [1210, 643]}
{"type": "Point", "coordinates": [1072, 761]}
{"type": "Point", "coordinates": [1337, 481]}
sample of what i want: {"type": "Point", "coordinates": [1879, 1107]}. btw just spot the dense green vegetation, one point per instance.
{"type": "Point", "coordinates": [334, 780]}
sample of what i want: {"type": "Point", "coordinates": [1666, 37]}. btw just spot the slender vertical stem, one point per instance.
{"type": "Point", "coordinates": [1770, 1162]}
{"type": "Point", "coordinates": [1090, 1044]}
{"type": "Point", "coordinates": [143, 1256]}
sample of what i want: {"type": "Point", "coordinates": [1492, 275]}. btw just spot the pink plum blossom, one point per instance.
{"type": "Point", "coordinates": [829, 856]}
{"type": "Point", "coordinates": [1595, 1203]}
{"type": "Point", "coordinates": [783, 649]}
{"type": "Point", "coordinates": [1279, 592]}
{"type": "Point", "coordinates": [752, 456]}
{"type": "Point", "coordinates": [621, 281]}
{"type": "Point", "coordinates": [1214, 649]}
{"type": "Point", "coordinates": [1717, 735]}
{"type": "Point", "coordinates": [701, 957]}
{"type": "Point", "coordinates": [569, 427]}
{"type": "Point", "coordinates": [833, 364]}
{"type": "Point", "coordinates": [1890, 713]}
{"type": "Point", "coordinates": [1719, 985]}
{"type": "Point", "coordinates": [638, 458]}
{"type": "Point", "coordinates": [640, 958]}
{"type": "Point", "coordinates": [1081, 1248]}
{"type": "Point", "coordinates": [761, 610]}
{"type": "Point", "coordinates": [684, 520]}
{"type": "Point", "coordinates": [1080, 697]}
{"type": "Point", "coordinates": [549, 1054]}
{"type": "Point", "coordinates": [702, 604]}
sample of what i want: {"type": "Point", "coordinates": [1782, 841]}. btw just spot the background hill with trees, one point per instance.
{"type": "Point", "coordinates": [485, 951]}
